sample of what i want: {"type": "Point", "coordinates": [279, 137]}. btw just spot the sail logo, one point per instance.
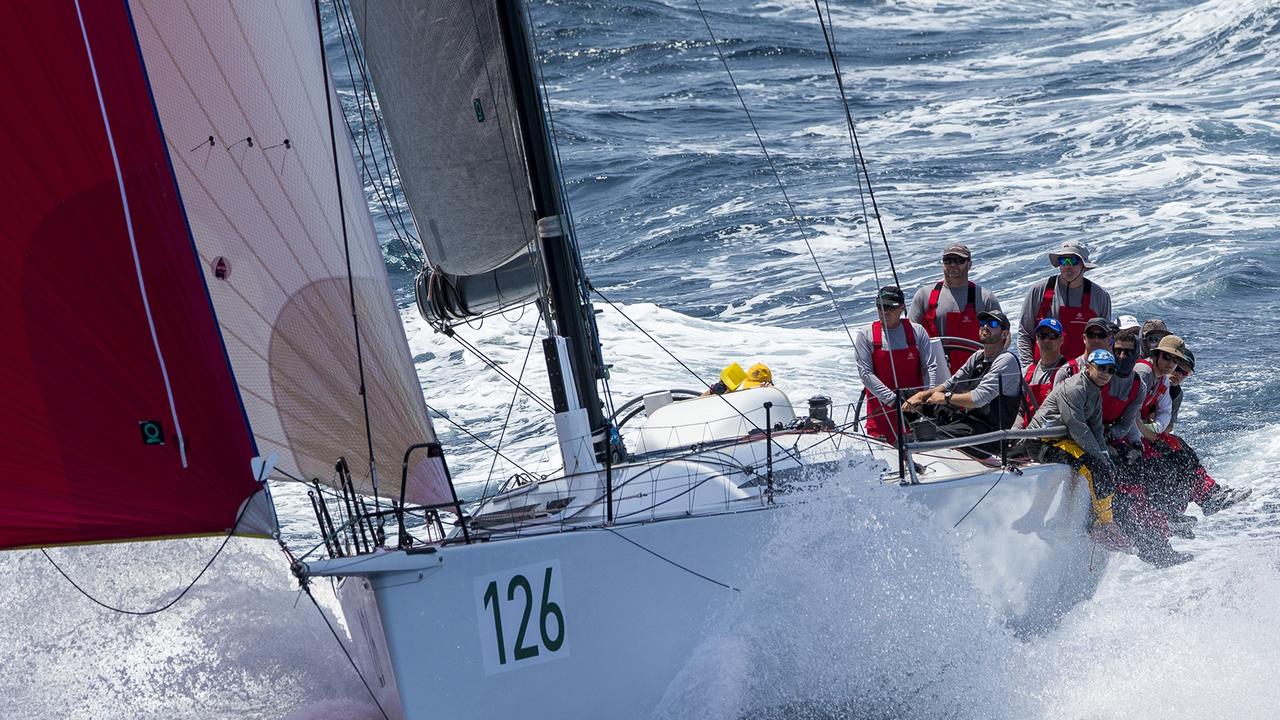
{"type": "Point", "coordinates": [152, 432]}
{"type": "Point", "coordinates": [522, 616]}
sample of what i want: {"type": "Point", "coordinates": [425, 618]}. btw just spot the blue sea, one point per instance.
{"type": "Point", "coordinates": [1148, 130]}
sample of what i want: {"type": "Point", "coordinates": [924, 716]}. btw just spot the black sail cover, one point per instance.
{"type": "Point", "coordinates": [442, 79]}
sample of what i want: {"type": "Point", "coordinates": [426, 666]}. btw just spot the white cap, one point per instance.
{"type": "Point", "coordinates": [1128, 322]}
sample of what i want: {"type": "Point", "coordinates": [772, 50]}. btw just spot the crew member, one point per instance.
{"type": "Point", "coordinates": [1122, 400]}
{"type": "Point", "coordinates": [986, 390]}
{"type": "Point", "coordinates": [1076, 403]}
{"type": "Point", "coordinates": [1176, 477]}
{"type": "Point", "coordinates": [892, 357]}
{"type": "Point", "coordinates": [950, 307]}
{"type": "Point", "coordinates": [1097, 336]}
{"type": "Point", "coordinates": [1041, 374]}
{"type": "Point", "coordinates": [1153, 331]}
{"type": "Point", "coordinates": [1067, 296]}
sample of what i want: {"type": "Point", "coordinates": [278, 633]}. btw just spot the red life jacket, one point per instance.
{"type": "Point", "coordinates": [963, 324]}
{"type": "Point", "coordinates": [1162, 387]}
{"type": "Point", "coordinates": [1072, 317]}
{"type": "Point", "coordinates": [1037, 392]}
{"type": "Point", "coordinates": [904, 364]}
{"type": "Point", "coordinates": [1113, 407]}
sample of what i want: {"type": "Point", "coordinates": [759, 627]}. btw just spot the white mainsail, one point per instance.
{"type": "Point", "coordinates": [243, 98]}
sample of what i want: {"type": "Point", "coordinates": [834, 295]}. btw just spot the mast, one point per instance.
{"type": "Point", "coordinates": [572, 311]}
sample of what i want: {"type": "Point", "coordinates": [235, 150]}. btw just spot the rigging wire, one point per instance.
{"type": "Point", "coordinates": [859, 158]}
{"type": "Point", "coordinates": [346, 246]}
{"type": "Point", "coordinates": [494, 366]}
{"type": "Point", "coordinates": [346, 26]}
{"type": "Point", "coordinates": [475, 437]}
{"type": "Point", "coordinates": [533, 338]}
{"type": "Point", "coordinates": [804, 235]}
{"type": "Point", "coordinates": [860, 162]}
{"type": "Point", "coordinates": [666, 559]}
{"type": "Point", "coordinates": [304, 584]}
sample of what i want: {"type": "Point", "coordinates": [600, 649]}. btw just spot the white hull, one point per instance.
{"type": "Point", "coordinates": [632, 619]}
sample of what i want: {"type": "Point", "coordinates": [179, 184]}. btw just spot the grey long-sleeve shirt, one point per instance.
{"type": "Point", "coordinates": [1077, 404]}
{"type": "Point", "coordinates": [1099, 302]}
{"type": "Point", "coordinates": [1004, 377]}
{"type": "Point", "coordinates": [892, 339]}
{"type": "Point", "coordinates": [950, 300]}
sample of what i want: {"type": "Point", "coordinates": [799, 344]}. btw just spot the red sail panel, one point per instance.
{"type": "Point", "coordinates": [110, 341]}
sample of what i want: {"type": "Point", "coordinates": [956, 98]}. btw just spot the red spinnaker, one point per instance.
{"type": "Point", "coordinates": [86, 402]}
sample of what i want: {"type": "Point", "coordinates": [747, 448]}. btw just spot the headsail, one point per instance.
{"type": "Point", "coordinates": [242, 93]}
{"type": "Point", "coordinates": [444, 83]}
{"type": "Point", "coordinates": [120, 418]}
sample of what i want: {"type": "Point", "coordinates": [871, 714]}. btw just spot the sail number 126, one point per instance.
{"type": "Point", "coordinates": [522, 617]}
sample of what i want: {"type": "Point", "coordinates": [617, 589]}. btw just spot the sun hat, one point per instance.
{"type": "Point", "coordinates": [1071, 247]}
{"type": "Point", "coordinates": [1172, 345]}
{"type": "Point", "coordinates": [1101, 357]}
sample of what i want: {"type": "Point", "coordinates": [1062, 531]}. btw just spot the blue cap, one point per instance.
{"type": "Point", "coordinates": [1102, 357]}
{"type": "Point", "coordinates": [1052, 324]}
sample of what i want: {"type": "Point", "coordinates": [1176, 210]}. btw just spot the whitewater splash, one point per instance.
{"type": "Point", "coordinates": [857, 608]}
{"type": "Point", "coordinates": [242, 643]}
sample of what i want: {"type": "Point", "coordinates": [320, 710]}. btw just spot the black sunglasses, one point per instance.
{"type": "Point", "coordinates": [1108, 369]}
{"type": "Point", "coordinates": [1048, 335]}
{"type": "Point", "coordinates": [1182, 370]}
{"type": "Point", "coordinates": [1097, 335]}
{"type": "Point", "coordinates": [954, 260]}
{"type": "Point", "coordinates": [1122, 351]}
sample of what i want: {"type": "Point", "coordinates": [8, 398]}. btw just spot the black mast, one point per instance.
{"type": "Point", "coordinates": [571, 309]}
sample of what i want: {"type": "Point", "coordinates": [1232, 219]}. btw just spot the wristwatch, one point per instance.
{"type": "Point", "coordinates": [946, 396]}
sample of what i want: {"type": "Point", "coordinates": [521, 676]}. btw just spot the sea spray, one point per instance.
{"type": "Point", "coordinates": [858, 607]}
{"type": "Point", "coordinates": [241, 643]}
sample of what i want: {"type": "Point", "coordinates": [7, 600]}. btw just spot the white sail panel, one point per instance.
{"type": "Point", "coordinates": [262, 201]}
{"type": "Point", "coordinates": [441, 75]}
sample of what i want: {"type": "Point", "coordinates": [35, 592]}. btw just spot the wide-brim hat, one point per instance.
{"type": "Point", "coordinates": [1071, 247]}
{"type": "Point", "coordinates": [1173, 345]}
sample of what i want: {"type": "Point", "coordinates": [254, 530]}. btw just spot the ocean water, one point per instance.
{"type": "Point", "coordinates": [1148, 130]}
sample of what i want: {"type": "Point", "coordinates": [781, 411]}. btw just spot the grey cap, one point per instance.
{"type": "Point", "coordinates": [957, 249]}
{"type": "Point", "coordinates": [1071, 247]}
